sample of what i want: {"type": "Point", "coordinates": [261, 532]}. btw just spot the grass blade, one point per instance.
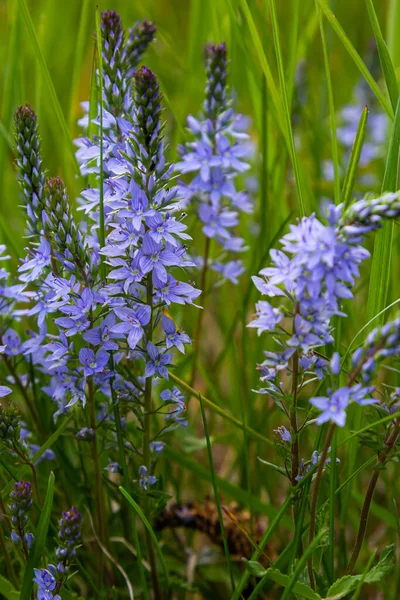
{"type": "Point", "coordinates": [356, 58]}
{"type": "Point", "coordinates": [216, 494]}
{"type": "Point", "coordinates": [38, 546]}
{"type": "Point", "coordinates": [218, 410]}
{"type": "Point", "coordinates": [149, 528]}
{"type": "Point", "coordinates": [301, 564]}
{"type": "Point", "coordinates": [384, 57]}
{"type": "Point", "coordinates": [292, 149]}
{"type": "Point", "coordinates": [381, 259]}
{"type": "Point", "coordinates": [335, 154]}
{"type": "Point", "coordinates": [49, 82]}
{"type": "Point", "coordinates": [351, 170]}
{"type": "Point", "coordinates": [241, 496]}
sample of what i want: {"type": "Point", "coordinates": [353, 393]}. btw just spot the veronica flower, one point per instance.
{"type": "Point", "coordinates": [132, 323]}
{"type": "Point", "coordinates": [157, 362]}
{"type": "Point", "coordinates": [215, 158]}
{"type": "Point", "coordinates": [92, 363]}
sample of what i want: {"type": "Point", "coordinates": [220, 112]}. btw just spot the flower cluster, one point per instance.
{"type": "Point", "coordinates": [51, 580]}
{"type": "Point", "coordinates": [381, 343]}
{"type": "Point", "coordinates": [312, 275]}
{"type": "Point", "coordinates": [216, 157]}
{"type": "Point", "coordinates": [19, 507]}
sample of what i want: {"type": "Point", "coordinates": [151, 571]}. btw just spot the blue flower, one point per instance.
{"type": "Point", "coordinates": [46, 585]}
{"type": "Point", "coordinates": [145, 479]}
{"type": "Point", "coordinates": [333, 407]}
{"type": "Point", "coordinates": [103, 334]}
{"type": "Point", "coordinates": [34, 267]}
{"type": "Point", "coordinates": [157, 363]}
{"type": "Point", "coordinates": [155, 257]}
{"type": "Point", "coordinates": [92, 363]}
{"type": "Point", "coordinates": [174, 337]}
{"type": "Point", "coordinates": [132, 323]}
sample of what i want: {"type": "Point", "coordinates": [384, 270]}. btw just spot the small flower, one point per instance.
{"type": "Point", "coordinates": [157, 363]}
{"type": "Point", "coordinates": [145, 479]}
{"type": "Point", "coordinates": [283, 433]}
{"type": "Point", "coordinates": [92, 363]}
{"type": "Point", "coordinates": [333, 407]}
{"type": "Point", "coordinates": [132, 323]}
{"type": "Point", "coordinates": [46, 584]}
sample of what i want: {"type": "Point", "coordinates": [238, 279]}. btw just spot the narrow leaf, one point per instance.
{"type": "Point", "coordinates": [381, 259]}
{"type": "Point", "coordinates": [384, 57]}
{"type": "Point", "coordinates": [149, 528]}
{"type": "Point", "coordinates": [49, 82]}
{"type": "Point", "coordinates": [6, 588]}
{"type": "Point", "coordinates": [351, 170]}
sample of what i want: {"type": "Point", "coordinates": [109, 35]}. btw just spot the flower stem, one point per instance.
{"type": "Point", "coordinates": [147, 440]}
{"type": "Point", "coordinates": [197, 335]}
{"type": "Point", "coordinates": [101, 527]}
{"type": "Point", "coordinates": [314, 499]}
{"type": "Point", "coordinates": [382, 458]}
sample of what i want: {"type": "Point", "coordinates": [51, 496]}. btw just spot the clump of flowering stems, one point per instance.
{"type": "Point", "coordinates": [216, 158]}
{"type": "Point", "coordinates": [100, 342]}
{"type": "Point", "coordinates": [311, 275]}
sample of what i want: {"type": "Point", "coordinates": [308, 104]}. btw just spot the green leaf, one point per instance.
{"type": "Point", "coordinates": [6, 588]}
{"type": "Point", "coordinates": [149, 528]}
{"type": "Point", "coordinates": [349, 583]}
{"type": "Point", "coordinates": [52, 92]}
{"type": "Point", "coordinates": [382, 256]}
{"type": "Point", "coordinates": [39, 543]}
{"type": "Point", "coordinates": [286, 108]}
{"type": "Point", "coordinates": [351, 170]}
{"type": "Point", "coordinates": [300, 589]}
{"type": "Point", "coordinates": [384, 57]}
{"type": "Point", "coordinates": [255, 568]}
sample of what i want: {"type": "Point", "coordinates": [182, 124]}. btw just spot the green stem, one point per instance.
{"type": "Point", "coordinates": [197, 335]}
{"type": "Point", "coordinates": [313, 508]}
{"type": "Point", "coordinates": [127, 482]}
{"type": "Point", "coordinates": [147, 440]}
{"type": "Point", "coordinates": [382, 458]}
{"type": "Point", "coordinates": [101, 526]}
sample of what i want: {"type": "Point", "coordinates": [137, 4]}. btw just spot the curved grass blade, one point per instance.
{"type": "Point", "coordinates": [37, 549]}
{"type": "Point", "coordinates": [356, 58]}
{"type": "Point", "coordinates": [49, 82]}
{"type": "Point", "coordinates": [149, 528]}
{"type": "Point", "coordinates": [286, 108]}
{"type": "Point", "coordinates": [384, 57]}
{"type": "Point", "coordinates": [79, 55]}
{"type": "Point", "coordinates": [216, 494]}
{"type": "Point", "coordinates": [351, 170]}
{"type": "Point", "coordinates": [219, 410]}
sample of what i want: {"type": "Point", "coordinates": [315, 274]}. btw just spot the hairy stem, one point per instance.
{"type": "Point", "coordinates": [197, 335]}
{"type": "Point", "coordinates": [314, 499]}
{"type": "Point", "coordinates": [382, 458]}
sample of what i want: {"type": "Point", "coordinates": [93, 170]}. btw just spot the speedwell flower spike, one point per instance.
{"type": "Point", "coordinates": [29, 161]}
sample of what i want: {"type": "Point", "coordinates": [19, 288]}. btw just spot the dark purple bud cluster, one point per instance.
{"type": "Point", "coordinates": [60, 228]}
{"type": "Point", "coordinates": [29, 162]}
{"type": "Point", "coordinates": [140, 37]}
{"type": "Point", "coordinates": [19, 507]}
{"type": "Point", "coordinates": [216, 67]}
{"type": "Point", "coordinates": [114, 83]}
{"type": "Point", "coordinates": [148, 108]}
{"type": "Point", "coordinates": [69, 534]}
